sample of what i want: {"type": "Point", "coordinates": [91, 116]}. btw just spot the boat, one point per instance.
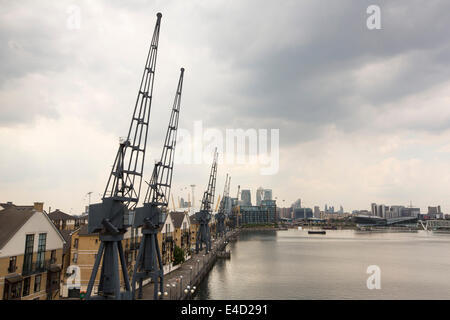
{"type": "Point", "coordinates": [317, 232]}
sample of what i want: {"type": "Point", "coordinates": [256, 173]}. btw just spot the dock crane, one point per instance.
{"type": "Point", "coordinates": [220, 216]}
{"type": "Point", "coordinates": [204, 215]}
{"type": "Point", "coordinates": [110, 218]}
{"type": "Point", "coordinates": [149, 262]}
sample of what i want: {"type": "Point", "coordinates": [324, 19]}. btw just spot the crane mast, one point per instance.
{"type": "Point", "coordinates": [149, 263]}
{"type": "Point", "coordinates": [220, 216]}
{"type": "Point", "coordinates": [110, 218]}
{"type": "Point", "coordinates": [204, 215]}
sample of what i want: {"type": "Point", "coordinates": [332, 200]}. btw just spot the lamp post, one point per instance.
{"type": "Point", "coordinates": [181, 286]}
{"type": "Point", "coordinates": [170, 291]}
{"type": "Point", "coordinates": [173, 286]}
{"type": "Point", "coordinates": [190, 278]}
{"type": "Point", "coordinates": [198, 261]}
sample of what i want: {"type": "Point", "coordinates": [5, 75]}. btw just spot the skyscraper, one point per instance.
{"type": "Point", "coordinates": [259, 195]}
{"type": "Point", "coordinates": [268, 194]}
{"type": "Point", "coordinates": [316, 212]}
{"type": "Point", "coordinates": [246, 198]}
{"type": "Point", "coordinates": [297, 204]}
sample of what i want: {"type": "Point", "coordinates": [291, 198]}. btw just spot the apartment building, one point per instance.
{"type": "Point", "coordinates": [81, 256]}
{"type": "Point", "coordinates": [64, 221]}
{"type": "Point", "coordinates": [30, 254]}
{"type": "Point", "coordinates": [166, 242]}
{"type": "Point", "coordinates": [194, 227]}
{"type": "Point", "coordinates": [182, 225]}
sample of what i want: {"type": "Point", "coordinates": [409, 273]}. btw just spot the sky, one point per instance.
{"type": "Point", "coordinates": [363, 114]}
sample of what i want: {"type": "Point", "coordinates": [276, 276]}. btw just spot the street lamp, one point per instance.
{"type": "Point", "coordinates": [181, 285]}
{"type": "Point", "coordinates": [170, 291]}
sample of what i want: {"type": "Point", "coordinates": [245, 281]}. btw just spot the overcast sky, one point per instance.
{"type": "Point", "coordinates": [363, 115]}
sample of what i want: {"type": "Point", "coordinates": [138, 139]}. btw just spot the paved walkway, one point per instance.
{"type": "Point", "coordinates": [182, 283]}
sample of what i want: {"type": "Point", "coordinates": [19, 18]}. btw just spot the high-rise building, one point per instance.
{"type": "Point", "coordinates": [316, 212]}
{"type": "Point", "coordinates": [297, 204]}
{"type": "Point", "coordinates": [259, 195]}
{"type": "Point", "coordinates": [374, 209]}
{"type": "Point", "coordinates": [434, 210]}
{"type": "Point", "coordinates": [246, 198]}
{"type": "Point", "coordinates": [302, 213]}
{"type": "Point", "coordinates": [267, 194]}
{"type": "Point", "coordinates": [410, 212]}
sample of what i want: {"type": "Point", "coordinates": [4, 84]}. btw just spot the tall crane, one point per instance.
{"type": "Point", "coordinates": [228, 203]}
{"type": "Point", "coordinates": [204, 215]}
{"type": "Point", "coordinates": [110, 218]}
{"type": "Point", "coordinates": [220, 216]}
{"type": "Point", "coordinates": [149, 263]}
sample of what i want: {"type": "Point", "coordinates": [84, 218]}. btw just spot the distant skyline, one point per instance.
{"type": "Point", "coordinates": [362, 114]}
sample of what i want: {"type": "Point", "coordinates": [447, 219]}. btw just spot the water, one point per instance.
{"type": "Point", "coordinates": [294, 265]}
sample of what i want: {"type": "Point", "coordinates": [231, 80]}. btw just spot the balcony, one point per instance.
{"type": "Point", "coordinates": [37, 267]}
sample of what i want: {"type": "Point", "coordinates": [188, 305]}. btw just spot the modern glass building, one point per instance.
{"type": "Point", "coordinates": [265, 213]}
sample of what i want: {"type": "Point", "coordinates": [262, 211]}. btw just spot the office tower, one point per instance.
{"type": "Point", "coordinates": [259, 195]}
{"type": "Point", "coordinates": [268, 194]}
{"type": "Point", "coordinates": [297, 204]}
{"type": "Point", "coordinates": [374, 209]}
{"type": "Point", "coordinates": [316, 212]}
{"type": "Point", "coordinates": [246, 198]}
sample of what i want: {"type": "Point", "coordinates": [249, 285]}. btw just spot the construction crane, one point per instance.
{"type": "Point", "coordinates": [217, 205]}
{"type": "Point", "coordinates": [204, 215]}
{"type": "Point", "coordinates": [149, 262]}
{"type": "Point", "coordinates": [237, 208]}
{"type": "Point", "coordinates": [110, 218]}
{"type": "Point", "coordinates": [173, 203]}
{"type": "Point", "coordinates": [220, 216]}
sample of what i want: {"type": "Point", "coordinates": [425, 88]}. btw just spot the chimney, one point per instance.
{"type": "Point", "coordinates": [39, 206]}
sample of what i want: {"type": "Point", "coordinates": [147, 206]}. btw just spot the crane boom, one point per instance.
{"type": "Point", "coordinates": [204, 215]}
{"type": "Point", "coordinates": [111, 217]}
{"type": "Point", "coordinates": [151, 215]}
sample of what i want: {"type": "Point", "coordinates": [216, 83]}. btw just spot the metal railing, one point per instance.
{"type": "Point", "coordinates": [37, 267]}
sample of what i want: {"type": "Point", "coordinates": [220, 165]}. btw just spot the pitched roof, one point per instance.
{"type": "Point", "coordinates": [192, 219]}
{"type": "Point", "coordinates": [11, 220]}
{"type": "Point", "coordinates": [8, 205]}
{"type": "Point", "coordinates": [84, 231]}
{"type": "Point", "coordinates": [177, 218]}
{"type": "Point", "coordinates": [59, 215]}
{"type": "Point", "coordinates": [67, 235]}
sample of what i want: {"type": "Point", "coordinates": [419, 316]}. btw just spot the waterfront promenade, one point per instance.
{"type": "Point", "coordinates": [181, 283]}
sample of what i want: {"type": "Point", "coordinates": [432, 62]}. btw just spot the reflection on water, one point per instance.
{"type": "Point", "coordinates": [294, 265]}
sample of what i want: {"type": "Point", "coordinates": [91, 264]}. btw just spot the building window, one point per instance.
{"type": "Point", "coordinates": [37, 283]}
{"type": "Point", "coordinates": [75, 257]}
{"type": "Point", "coordinates": [26, 286]}
{"type": "Point", "coordinates": [41, 249]}
{"type": "Point", "coordinates": [12, 264]}
{"type": "Point", "coordinates": [28, 255]}
{"type": "Point", "coordinates": [75, 244]}
{"type": "Point", "coordinates": [12, 290]}
{"type": "Point", "coordinates": [53, 256]}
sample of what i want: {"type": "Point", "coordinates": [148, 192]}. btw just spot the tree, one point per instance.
{"type": "Point", "coordinates": [178, 255]}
